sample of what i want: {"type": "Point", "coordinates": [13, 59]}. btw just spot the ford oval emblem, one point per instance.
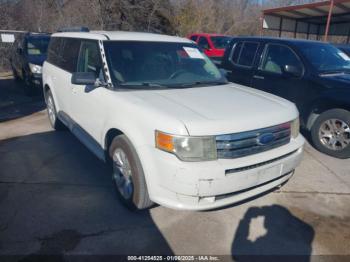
{"type": "Point", "coordinates": [265, 139]}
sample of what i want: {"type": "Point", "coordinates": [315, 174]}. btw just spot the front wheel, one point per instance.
{"type": "Point", "coordinates": [128, 174]}
{"type": "Point", "coordinates": [28, 86]}
{"type": "Point", "coordinates": [14, 73]}
{"type": "Point", "coordinates": [331, 133]}
{"type": "Point", "coordinates": [52, 113]}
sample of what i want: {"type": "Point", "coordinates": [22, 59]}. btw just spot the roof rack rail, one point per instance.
{"type": "Point", "coordinates": [74, 29]}
{"type": "Point", "coordinates": [38, 33]}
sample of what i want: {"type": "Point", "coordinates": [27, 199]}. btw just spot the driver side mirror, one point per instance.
{"type": "Point", "coordinates": [292, 71]}
{"type": "Point", "coordinates": [83, 78]}
{"type": "Point", "coordinates": [87, 79]}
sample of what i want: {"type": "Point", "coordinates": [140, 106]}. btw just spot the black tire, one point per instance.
{"type": "Point", "coordinates": [339, 114]}
{"type": "Point", "coordinates": [54, 121]}
{"type": "Point", "coordinates": [28, 86]}
{"type": "Point", "coordinates": [139, 198]}
{"type": "Point", "coordinates": [14, 73]}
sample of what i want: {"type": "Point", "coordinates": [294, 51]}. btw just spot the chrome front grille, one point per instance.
{"type": "Point", "coordinates": [252, 142]}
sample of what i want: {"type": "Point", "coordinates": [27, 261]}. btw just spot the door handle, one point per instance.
{"type": "Point", "coordinates": [258, 77]}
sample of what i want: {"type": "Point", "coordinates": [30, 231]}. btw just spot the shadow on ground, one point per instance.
{"type": "Point", "coordinates": [13, 101]}
{"type": "Point", "coordinates": [267, 232]}
{"type": "Point", "coordinates": [57, 198]}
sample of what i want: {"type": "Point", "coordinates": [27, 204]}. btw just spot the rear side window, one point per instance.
{"type": "Point", "coordinates": [70, 52]}
{"type": "Point", "coordinates": [89, 58]}
{"type": "Point", "coordinates": [244, 53]}
{"type": "Point", "coordinates": [248, 53]}
{"type": "Point", "coordinates": [194, 38]}
{"type": "Point", "coordinates": [54, 50]}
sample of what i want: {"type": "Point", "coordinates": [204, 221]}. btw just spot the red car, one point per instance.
{"type": "Point", "coordinates": [213, 44]}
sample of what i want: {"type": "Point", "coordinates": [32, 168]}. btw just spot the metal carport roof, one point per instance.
{"type": "Point", "coordinates": [320, 18]}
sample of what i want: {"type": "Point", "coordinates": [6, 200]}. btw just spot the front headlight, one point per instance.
{"type": "Point", "coordinates": [35, 69]}
{"type": "Point", "coordinates": [187, 148]}
{"type": "Point", "coordinates": [295, 127]}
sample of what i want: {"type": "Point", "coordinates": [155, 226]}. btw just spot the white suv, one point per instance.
{"type": "Point", "coordinates": [163, 116]}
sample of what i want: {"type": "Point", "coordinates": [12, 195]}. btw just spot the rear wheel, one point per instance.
{"type": "Point", "coordinates": [52, 113]}
{"type": "Point", "coordinates": [331, 133]}
{"type": "Point", "coordinates": [128, 174]}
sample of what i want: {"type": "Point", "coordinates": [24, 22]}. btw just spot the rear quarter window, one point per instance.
{"type": "Point", "coordinates": [54, 50]}
{"type": "Point", "coordinates": [236, 52]}
{"type": "Point", "coordinates": [243, 53]}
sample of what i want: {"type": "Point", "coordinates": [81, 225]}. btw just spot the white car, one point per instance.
{"type": "Point", "coordinates": [159, 111]}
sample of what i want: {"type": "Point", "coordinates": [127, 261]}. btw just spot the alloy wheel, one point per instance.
{"type": "Point", "coordinates": [51, 110]}
{"type": "Point", "coordinates": [334, 134]}
{"type": "Point", "coordinates": [122, 174]}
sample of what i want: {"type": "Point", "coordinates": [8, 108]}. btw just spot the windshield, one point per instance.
{"type": "Point", "coordinates": [326, 58]}
{"type": "Point", "coordinates": [37, 46]}
{"type": "Point", "coordinates": [220, 42]}
{"type": "Point", "coordinates": [346, 51]}
{"type": "Point", "coordinates": [159, 64]}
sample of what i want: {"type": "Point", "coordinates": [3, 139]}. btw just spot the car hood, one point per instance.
{"type": "Point", "coordinates": [36, 59]}
{"type": "Point", "coordinates": [222, 109]}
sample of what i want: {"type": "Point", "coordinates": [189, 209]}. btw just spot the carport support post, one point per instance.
{"type": "Point", "coordinates": [308, 31]}
{"type": "Point", "coordinates": [348, 39]}
{"type": "Point", "coordinates": [328, 21]}
{"type": "Point", "coordinates": [295, 29]}
{"type": "Point", "coordinates": [281, 23]}
{"type": "Point", "coordinates": [262, 17]}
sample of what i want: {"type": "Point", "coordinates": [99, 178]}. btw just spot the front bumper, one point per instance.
{"type": "Point", "coordinates": [213, 184]}
{"type": "Point", "coordinates": [36, 80]}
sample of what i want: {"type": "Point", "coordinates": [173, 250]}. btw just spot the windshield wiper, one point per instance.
{"type": "Point", "coordinates": [141, 85]}
{"type": "Point", "coordinates": [200, 83]}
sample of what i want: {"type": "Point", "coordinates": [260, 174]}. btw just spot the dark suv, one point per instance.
{"type": "Point", "coordinates": [28, 56]}
{"type": "Point", "coordinates": [313, 75]}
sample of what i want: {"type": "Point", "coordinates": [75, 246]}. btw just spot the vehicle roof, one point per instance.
{"type": "Point", "coordinates": [34, 34]}
{"type": "Point", "coordinates": [343, 46]}
{"type": "Point", "coordinates": [123, 36]}
{"type": "Point", "coordinates": [282, 40]}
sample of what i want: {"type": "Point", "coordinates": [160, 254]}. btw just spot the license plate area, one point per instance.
{"type": "Point", "coordinates": [268, 174]}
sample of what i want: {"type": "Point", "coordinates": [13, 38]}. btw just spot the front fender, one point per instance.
{"type": "Point", "coordinates": [330, 99]}
{"type": "Point", "coordinates": [48, 82]}
{"type": "Point", "coordinates": [138, 120]}
{"type": "Point", "coordinates": [139, 126]}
